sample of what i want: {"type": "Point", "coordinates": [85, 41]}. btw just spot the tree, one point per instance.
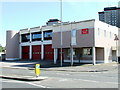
{"type": "Point", "coordinates": [2, 49]}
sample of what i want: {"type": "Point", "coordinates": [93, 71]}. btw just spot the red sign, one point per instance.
{"type": "Point", "coordinates": [85, 31]}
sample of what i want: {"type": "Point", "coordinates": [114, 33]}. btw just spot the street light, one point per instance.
{"type": "Point", "coordinates": [71, 46]}
{"type": "Point", "coordinates": [61, 28]}
{"type": "Point", "coordinates": [116, 39]}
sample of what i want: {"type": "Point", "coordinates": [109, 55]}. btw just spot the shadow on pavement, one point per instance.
{"type": "Point", "coordinates": [43, 63]}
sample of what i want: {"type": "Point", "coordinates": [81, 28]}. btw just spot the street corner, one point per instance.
{"type": "Point", "coordinates": [39, 78]}
{"type": "Point", "coordinates": [31, 78]}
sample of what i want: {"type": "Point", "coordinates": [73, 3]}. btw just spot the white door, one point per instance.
{"type": "Point", "coordinates": [113, 55]}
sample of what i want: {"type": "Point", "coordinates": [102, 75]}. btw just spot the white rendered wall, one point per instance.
{"type": "Point", "coordinates": [107, 41]}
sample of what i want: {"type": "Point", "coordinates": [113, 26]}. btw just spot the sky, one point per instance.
{"type": "Point", "coordinates": [16, 15]}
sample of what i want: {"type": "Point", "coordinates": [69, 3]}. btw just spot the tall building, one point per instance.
{"type": "Point", "coordinates": [119, 43]}
{"type": "Point", "coordinates": [119, 14]}
{"type": "Point", "coordinates": [110, 15]}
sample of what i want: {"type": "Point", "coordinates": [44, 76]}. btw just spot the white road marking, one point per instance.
{"type": "Point", "coordinates": [13, 81]}
{"type": "Point", "coordinates": [62, 74]}
{"type": "Point", "coordinates": [63, 80]}
{"type": "Point", "coordinates": [90, 81]}
{"type": "Point", "coordinates": [38, 85]}
{"type": "Point", "coordinates": [41, 86]}
{"type": "Point", "coordinates": [32, 72]}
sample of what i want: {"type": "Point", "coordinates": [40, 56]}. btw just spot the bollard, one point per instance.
{"type": "Point", "coordinates": [37, 70]}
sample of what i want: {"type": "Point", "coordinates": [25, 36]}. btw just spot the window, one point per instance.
{"type": "Point", "coordinates": [110, 35]}
{"type": "Point", "coordinates": [36, 36]}
{"type": "Point", "coordinates": [87, 51]}
{"type": "Point", "coordinates": [48, 35]}
{"type": "Point", "coordinates": [73, 33]}
{"type": "Point", "coordinates": [73, 39]}
{"type": "Point", "coordinates": [74, 51]}
{"type": "Point", "coordinates": [98, 32]}
{"type": "Point", "coordinates": [69, 52]}
{"type": "Point", "coordinates": [25, 37]}
{"type": "Point", "coordinates": [105, 33]}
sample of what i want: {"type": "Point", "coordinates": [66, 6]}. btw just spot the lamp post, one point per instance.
{"type": "Point", "coordinates": [71, 47]}
{"type": "Point", "coordinates": [71, 53]}
{"type": "Point", "coordinates": [61, 29]}
{"type": "Point", "coordinates": [116, 39]}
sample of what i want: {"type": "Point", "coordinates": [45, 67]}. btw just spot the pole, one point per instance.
{"type": "Point", "coordinates": [61, 28]}
{"type": "Point", "coordinates": [71, 47]}
{"type": "Point", "coordinates": [116, 52]}
{"type": "Point", "coordinates": [93, 55]}
{"type": "Point", "coordinates": [71, 55]}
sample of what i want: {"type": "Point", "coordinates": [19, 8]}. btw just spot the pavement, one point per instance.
{"type": "Point", "coordinates": [50, 66]}
{"type": "Point", "coordinates": [23, 78]}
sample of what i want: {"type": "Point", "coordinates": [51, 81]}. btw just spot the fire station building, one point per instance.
{"type": "Point", "coordinates": [91, 41]}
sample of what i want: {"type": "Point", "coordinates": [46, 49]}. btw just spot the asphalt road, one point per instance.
{"type": "Point", "coordinates": [7, 83]}
{"type": "Point", "coordinates": [63, 79]}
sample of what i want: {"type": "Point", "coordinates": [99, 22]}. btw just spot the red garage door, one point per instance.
{"type": "Point", "coordinates": [36, 52]}
{"type": "Point", "coordinates": [25, 52]}
{"type": "Point", "coordinates": [48, 52]}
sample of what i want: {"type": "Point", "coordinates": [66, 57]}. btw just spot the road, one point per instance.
{"type": "Point", "coordinates": [63, 79]}
{"type": "Point", "coordinates": [7, 83]}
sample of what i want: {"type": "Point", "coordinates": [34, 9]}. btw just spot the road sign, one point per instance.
{"type": "Point", "coordinates": [116, 38]}
{"type": "Point", "coordinates": [37, 69]}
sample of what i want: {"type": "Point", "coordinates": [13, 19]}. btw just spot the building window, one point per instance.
{"type": "Point", "coordinates": [87, 51]}
{"type": "Point", "coordinates": [48, 35]}
{"type": "Point", "coordinates": [25, 37]}
{"type": "Point", "coordinates": [105, 33]}
{"type": "Point", "coordinates": [36, 36]}
{"type": "Point", "coordinates": [69, 52]}
{"type": "Point", "coordinates": [73, 33]}
{"type": "Point", "coordinates": [110, 35]}
{"type": "Point", "coordinates": [73, 38]}
{"type": "Point", "coordinates": [74, 52]}
{"type": "Point", "coordinates": [98, 32]}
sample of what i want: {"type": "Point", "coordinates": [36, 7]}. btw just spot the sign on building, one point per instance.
{"type": "Point", "coordinates": [85, 31]}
